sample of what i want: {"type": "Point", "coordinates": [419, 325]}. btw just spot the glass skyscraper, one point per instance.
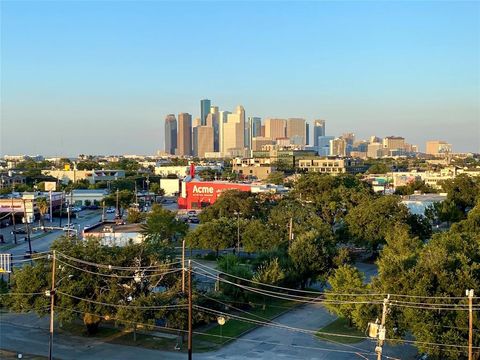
{"type": "Point", "coordinates": [204, 110]}
{"type": "Point", "coordinates": [318, 130]}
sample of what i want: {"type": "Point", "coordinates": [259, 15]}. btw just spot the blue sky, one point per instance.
{"type": "Point", "coordinates": [100, 76]}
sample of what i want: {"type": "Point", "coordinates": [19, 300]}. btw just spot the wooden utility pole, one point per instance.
{"type": "Point", "coordinates": [382, 331]}
{"type": "Point", "coordinates": [183, 266]}
{"type": "Point", "coordinates": [290, 231]}
{"type": "Point", "coordinates": [13, 221]}
{"type": "Point", "coordinates": [190, 332]}
{"type": "Point", "coordinates": [469, 293]}
{"type": "Point", "coordinates": [52, 304]}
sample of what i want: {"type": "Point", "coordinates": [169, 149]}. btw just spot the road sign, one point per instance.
{"type": "Point", "coordinates": [5, 263]}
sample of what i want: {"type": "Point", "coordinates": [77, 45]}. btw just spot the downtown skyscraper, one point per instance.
{"type": "Point", "coordinates": [170, 134]}
{"type": "Point", "coordinates": [318, 130]}
{"type": "Point", "coordinates": [184, 134]}
{"type": "Point", "coordinates": [205, 105]}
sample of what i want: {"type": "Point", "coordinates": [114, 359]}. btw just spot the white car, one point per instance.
{"type": "Point", "coordinates": [110, 211]}
{"type": "Point", "coordinates": [69, 227]}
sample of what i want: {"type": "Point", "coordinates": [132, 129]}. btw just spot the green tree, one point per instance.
{"type": "Point", "coordinates": [258, 236]}
{"type": "Point", "coordinates": [134, 216]}
{"type": "Point", "coordinates": [216, 235]}
{"type": "Point", "coordinates": [162, 226]}
{"type": "Point", "coordinates": [379, 168]}
{"type": "Point", "coordinates": [269, 272]}
{"type": "Point", "coordinates": [43, 207]}
{"type": "Point", "coordinates": [344, 280]}
{"type": "Point", "coordinates": [312, 254]}
{"type": "Point", "coordinates": [125, 199]}
{"type": "Point", "coordinates": [417, 185]}
{"type": "Point", "coordinates": [229, 203]}
{"type": "Point", "coordinates": [275, 177]}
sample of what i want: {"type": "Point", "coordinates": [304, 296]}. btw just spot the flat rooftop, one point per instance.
{"type": "Point", "coordinates": [108, 227]}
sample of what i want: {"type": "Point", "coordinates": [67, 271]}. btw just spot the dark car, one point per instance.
{"type": "Point", "coordinates": [193, 219]}
{"type": "Point", "coordinates": [19, 231]}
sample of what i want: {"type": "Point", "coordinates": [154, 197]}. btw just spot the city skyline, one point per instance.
{"type": "Point", "coordinates": [86, 86]}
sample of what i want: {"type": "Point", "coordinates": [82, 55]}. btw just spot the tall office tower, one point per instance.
{"type": "Point", "coordinates": [204, 140]}
{"type": "Point", "coordinates": [375, 150]}
{"type": "Point", "coordinates": [349, 137]}
{"type": "Point", "coordinates": [437, 147]}
{"type": "Point", "coordinates": [205, 105]}
{"type": "Point", "coordinates": [275, 128]}
{"type": "Point", "coordinates": [323, 147]}
{"type": "Point", "coordinates": [318, 130]}
{"type": "Point", "coordinates": [234, 130]}
{"type": "Point", "coordinates": [184, 134]}
{"type": "Point", "coordinates": [253, 129]}
{"type": "Point", "coordinates": [394, 143]}
{"type": "Point", "coordinates": [213, 120]}
{"type": "Point", "coordinates": [196, 122]}
{"type": "Point", "coordinates": [262, 131]}
{"type": "Point", "coordinates": [307, 133]}
{"type": "Point", "coordinates": [338, 147]}
{"type": "Point", "coordinates": [170, 134]}
{"type": "Point", "coordinates": [375, 139]}
{"type": "Point", "coordinates": [222, 119]}
{"type": "Point", "coordinates": [296, 130]}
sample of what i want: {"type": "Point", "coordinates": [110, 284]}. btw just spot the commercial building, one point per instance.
{"type": "Point", "coordinates": [184, 138]}
{"type": "Point", "coordinates": [438, 148]}
{"type": "Point", "coordinates": [323, 145]}
{"type": "Point", "coordinates": [253, 168]}
{"type": "Point", "coordinates": [171, 187]}
{"type": "Point", "coordinates": [318, 130]}
{"type": "Point", "coordinates": [93, 176]}
{"type": "Point", "coordinates": [332, 166]}
{"type": "Point", "coordinates": [10, 179]}
{"type": "Point", "coordinates": [222, 119]}
{"type": "Point", "coordinates": [205, 105]}
{"type": "Point", "coordinates": [181, 171]}
{"type": "Point", "coordinates": [253, 129]}
{"type": "Point", "coordinates": [112, 234]}
{"type": "Point", "coordinates": [394, 143]}
{"type": "Point", "coordinates": [375, 150]}
{"type": "Point", "coordinates": [213, 119]}
{"type": "Point", "coordinates": [87, 196]}
{"type": "Point", "coordinates": [338, 147]}
{"type": "Point", "coordinates": [170, 134]}
{"type": "Point", "coordinates": [234, 131]}
{"type": "Point", "coordinates": [196, 194]}
{"type": "Point", "coordinates": [296, 131]}
{"type": "Point", "coordinates": [204, 142]}
{"type": "Point", "coordinates": [275, 128]}
{"type": "Point", "coordinates": [259, 142]}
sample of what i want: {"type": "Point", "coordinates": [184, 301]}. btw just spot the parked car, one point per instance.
{"type": "Point", "coordinates": [93, 207]}
{"type": "Point", "coordinates": [191, 213]}
{"type": "Point", "coordinates": [69, 227]}
{"type": "Point", "coordinates": [110, 210]}
{"type": "Point", "coordinates": [193, 219]}
{"type": "Point", "coordinates": [19, 231]}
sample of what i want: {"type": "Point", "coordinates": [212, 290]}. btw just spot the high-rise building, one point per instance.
{"type": "Point", "coordinates": [205, 105]}
{"type": "Point", "coordinates": [222, 119]}
{"type": "Point", "coordinates": [349, 137]}
{"type": "Point", "coordinates": [253, 129]}
{"type": "Point", "coordinates": [394, 143]}
{"type": "Point", "coordinates": [275, 128]}
{"type": "Point", "coordinates": [296, 131]}
{"type": "Point", "coordinates": [307, 133]}
{"type": "Point", "coordinates": [438, 147]}
{"type": "Point", "coordinates": [196, 122]}
{"type": "Point", "coordinates": [204, 136]}
{"type": "Point", "coordinates": [216, 127]}
{"type": "Point", "coordinates": [338, 147]}
{"type": "Point", "coordinates": [318, 130]}
{"type": "Point", "coordinates": [375, 150]}
{"type": "Point", "coordinates": [234, 130]}
{"type": "Point", "coordinates": [170, 134]}
{"type": "Point", "coordinates": [323, 145]}
{"type": "Point", "coordinates": [184, 134]}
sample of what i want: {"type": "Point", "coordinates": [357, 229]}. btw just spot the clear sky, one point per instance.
{"type": "Point", "coordinates": [98, 77]}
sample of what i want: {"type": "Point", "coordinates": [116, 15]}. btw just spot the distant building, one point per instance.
{"type": "Point", "coordinates": [394, 143]}
{"type": "Point", "coordinates": [257, 168]}
{"type": "Point", "coordinates": [318, 130]}
{"type": "Point", "coordinates": [222, 119]}
{"type": "Point", "coordinates": [170, 134]}
{"type": "Point", "coordinates": [205, 140]}
{"type": "Point", "coordinates": [338, 147]}
{"type": "Point", "coordinates": [205, 105]}
{"type": "Point", "coordinates": [296, 130]}
{"type": "Point", "coordinates": [437, 147]}
{"type": "Point", "coordinates": [93, 176]}
{"type": "Point", "coordinates": [111, 234]}
{"type": "Point", "coordinates": [234, 131]}
{"type": "Point", "coordinates": [375, 150]}
{"type": "Point", "coordinates": [275, 128]}
{"type": "Point", "coordinates": [331, 166]}
{"type": "Point", "coordinates": [259, 142]}
{"type": "Point", "coordinates": [323, 145]}
{"type": "Point", "coordinates": [307, 134]}
{"type": "Point", "coordinates": [214, 117]}
{"type": "Point", "coordinates": [253, 129]}
{"type": "Point", "coordinates": [87, 196]}
{"type": "Point", "coordinates": [184, 134]}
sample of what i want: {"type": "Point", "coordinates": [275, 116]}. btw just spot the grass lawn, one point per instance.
{"type": "Point", "coordinates": [146, 341]}
{"type": "Point", "coordinates": [5, 354]}
{"type": "Point", "coordinates": [340, 326]}
{"type": "Point", "coordinates": [235, 328]}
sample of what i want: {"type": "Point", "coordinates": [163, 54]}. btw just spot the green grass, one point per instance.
{"type": "Point", "coordinates": [79, 329]}
{"type": "Point", "coordinates": [5, 354]}
{"type": "Point", "coordinates": [340, 326]}
{"type": "Point", "coordinates": [235, 328]}
{"type": "Point", "coordinates": [146, 341]}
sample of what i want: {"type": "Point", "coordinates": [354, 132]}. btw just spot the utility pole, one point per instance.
{"type": "Point", "coordinates": [61, 209]}
{"type": "Point", "coordinates": [68, 218]}
{"type": "Point", "coordinates": [118, 209]}
{"type": "Point", "coordinates": [13, 221]}
{"type": "Point", "coordinates": [27, 227]}
{"type": "Point", "coordinates": [190, 332]}
{"type": "Point", "coordinates": [382, 330]}
{"type": "Point", "coordinates": [51, 207]}
{"type": "Point", "coordinates": [183, 266]}
{"type": "Point", "coordinates": [290, 231]}
{"type": "Point", "coordinates": [469, 293]}
{"type": "Point", "coordinates": [52, 304]}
